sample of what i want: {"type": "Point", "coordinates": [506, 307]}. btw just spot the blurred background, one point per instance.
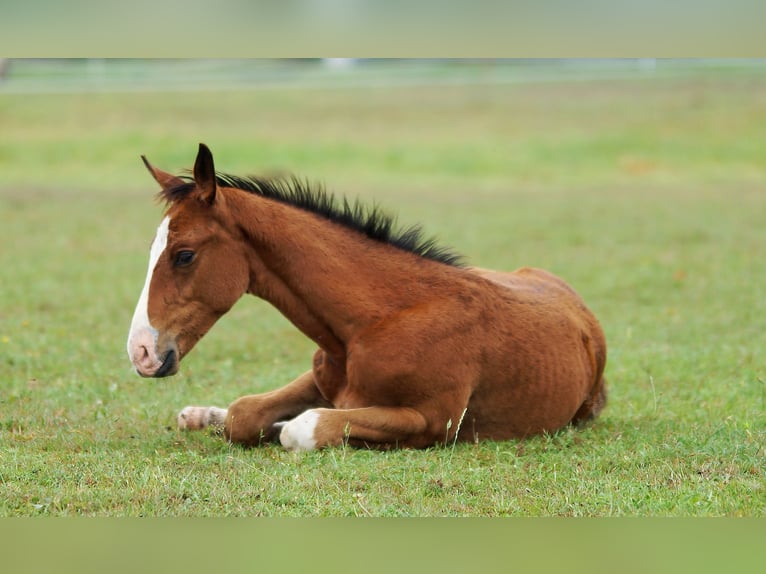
{"type": "Point", "coordinates": [639, 181]}
{"type": "Point", "coordinates": [63, 75]}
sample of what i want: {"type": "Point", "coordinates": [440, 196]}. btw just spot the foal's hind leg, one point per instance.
{"type": "Point", "coordinates": [377, 427]}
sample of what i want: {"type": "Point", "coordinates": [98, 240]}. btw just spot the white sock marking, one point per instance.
{"type": "Point", "coordinates": [298, 434]}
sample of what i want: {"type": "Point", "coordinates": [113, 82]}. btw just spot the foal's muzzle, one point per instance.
{"type": "Point", "coordinates": [148, 359]}
{"type": "Point", "coordinates": [169, 365]}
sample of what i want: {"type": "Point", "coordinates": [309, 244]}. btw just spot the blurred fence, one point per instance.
{"type": "Point", "coordinates": [78, 75]}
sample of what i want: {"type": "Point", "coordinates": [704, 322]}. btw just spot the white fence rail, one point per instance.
{"type": "Point", "coordinates": [117, 75]}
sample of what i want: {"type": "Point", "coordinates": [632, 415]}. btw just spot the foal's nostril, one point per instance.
{"type": "Point", "coordinates": [142, 350]}
{"type": "Point", "coordinates": [142, 356]}
{"type": "Point", "coordinates": [151, 359]}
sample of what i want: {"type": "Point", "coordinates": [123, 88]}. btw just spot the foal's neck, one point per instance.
{"type": "Point", "coordinates": [329, 280]}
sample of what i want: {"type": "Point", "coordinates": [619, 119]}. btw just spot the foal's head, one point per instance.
{"type": "Point", "coordinates": [197, 271]}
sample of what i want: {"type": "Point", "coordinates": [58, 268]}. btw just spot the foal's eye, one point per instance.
{"type": "Point", "coordinates": [183, 258]}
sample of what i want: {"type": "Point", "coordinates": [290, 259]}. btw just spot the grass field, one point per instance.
{"type": "Point", "coordinates": [647, 195]}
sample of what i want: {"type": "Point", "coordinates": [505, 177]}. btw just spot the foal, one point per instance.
{"type": "Point", "coordinates": [414, 348]}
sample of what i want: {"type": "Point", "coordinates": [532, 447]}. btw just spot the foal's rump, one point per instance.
{"type": "Point", "coordinates": [550, 369]}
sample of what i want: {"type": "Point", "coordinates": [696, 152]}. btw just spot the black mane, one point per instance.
{"type": "Point", "coordinates": [371, 221]}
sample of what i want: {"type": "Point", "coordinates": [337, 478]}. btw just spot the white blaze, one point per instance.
{"type": "Point", "coordinates": [140, 322]}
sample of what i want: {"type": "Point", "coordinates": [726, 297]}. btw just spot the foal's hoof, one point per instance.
{"type": "Point", "coordinates": [298, 433]}
{"type": "Point", "coordinates": [191, 418]}
{"type": "Point", "coordinates": [198, 418]}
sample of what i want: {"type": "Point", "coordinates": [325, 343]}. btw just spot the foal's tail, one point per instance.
{"type": "Point", "coordinates": [596, 400]}
{"type": "Point", "coordinates": [593, 405]}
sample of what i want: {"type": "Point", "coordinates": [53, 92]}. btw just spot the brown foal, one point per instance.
{"type": "Point", "coordinates": [415, 349]}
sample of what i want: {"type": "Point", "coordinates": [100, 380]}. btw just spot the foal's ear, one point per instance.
{"type": "Point", "coordinates": [204, 174]}
{"type": "Point", "coordinates": [165, 179]}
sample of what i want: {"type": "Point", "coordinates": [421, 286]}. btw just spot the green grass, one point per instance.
{"type": "Point", "coordinates": [647, 195]}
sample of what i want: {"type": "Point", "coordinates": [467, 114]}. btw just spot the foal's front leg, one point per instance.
{"type": "Point", "coordinates": [254, 419]}
{"type": "Point", "coordinates": [198, 418]}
